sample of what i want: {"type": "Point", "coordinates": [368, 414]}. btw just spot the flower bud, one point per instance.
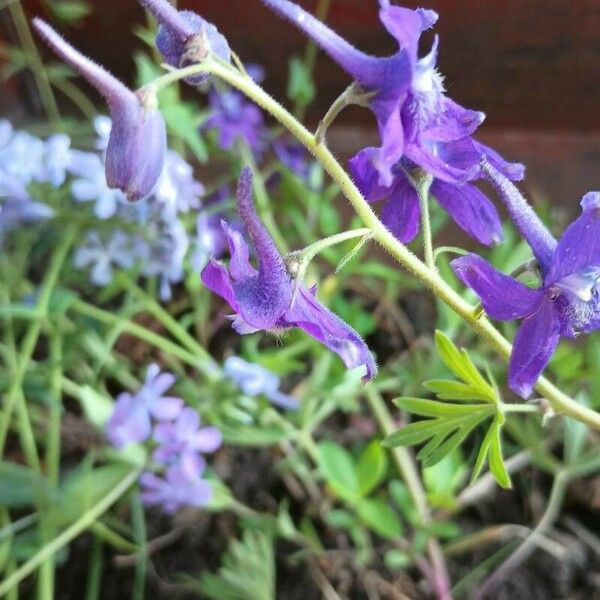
{"type": "Point", "coordinates": [185, 38]}
{"type": "Point", "coordinates": [138, 138]}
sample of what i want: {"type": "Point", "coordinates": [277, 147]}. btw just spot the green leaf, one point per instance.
{"type": "Point", "coordinates": [22, 486]}
{"type": "Point", "coordinates": [69, 11]}
{"type": "Point", "coordinates": [433, 455]}
{"type": "Point", "coordinates": [380, 517]}
{"type": "Point", "coordinates": [415, 433]}
{"type": "Point", "coordinates": [301, 88]}
{"type": "Point", "coordinates": [183, 121]}
{"type": "Point", "coordinates": [84, 488]}
{"type": "Point", "coordinates": [431, 408]}
{"type": "Point", "coordinates": [447, 389]}
{"type": "Point", "coordinates": [481, 456]}
{"type": "Point", "coordinates": [340, 519]}
{"type": "Point", "coordinates": [396, 560]}
{"type": "Point", "coordinates": [459, 362]}
{"type": "Point", "coordinates": [497, 466]}
{"type": "Point", "coordinates": [247, 571]}
{"type": "Point", "coordinates": [337, 467]}
{"type": "Point", "coordinates": [371, 467]}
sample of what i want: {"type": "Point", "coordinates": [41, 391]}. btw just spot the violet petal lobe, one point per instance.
{"type": "Point", "coordinates": [502, 297]}
{"type": "Point", "coordinates": [471, 210]}
{"type": "Point", "coordinates": [326, 327]}
{"type": "Point", "coordinates": [402, 212]}
{"type": "Point", "coordinates": [129, 422]}
{"type": "Point", "coordinates": [406, 25]}
{"type": "Point", "coordinates": [534, 344]}
{"type": "Point", "coordinates": [579, 246]}
{"type": "Point", "coordinates": [366, 176]}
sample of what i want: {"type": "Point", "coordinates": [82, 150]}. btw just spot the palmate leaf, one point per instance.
{"type": "Point", "coordinates": [461, 407]}
{"type": "Point", "coordinates": [247, 571]}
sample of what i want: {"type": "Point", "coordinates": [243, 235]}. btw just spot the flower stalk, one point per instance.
{"type": "Point", "coordinates": [559, 401]}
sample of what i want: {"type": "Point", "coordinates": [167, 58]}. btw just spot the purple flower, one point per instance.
{"type": "Point", "coordinates": [21, 154]}
{"type": "Point", "coordinates": [418, 125]}
{"type": "Point", "coordinates": [294, 157]}
{"type": "Point", "coordinates": [254, 380]}
{"type": "Point", "coordinates": [168, 243]}
{"type": "Point", "coordinates": [177, 190]}
{"type": "Point", "coordinates": [138, 138]}
{"type": "Point", "coordinates": [90, 184]}
{"type": "Point", "coordinates": [184, 437]}
{"type": "Point", "coordinates": [471, 210]}
{"type": "Point", "coordinates": [185, 38]}
{"type": "Point", "coordinates": [210, 240]}
{"type": "Point", "coordinates": [17, 208]}
{"type": "Point", "coordinates": [57, 159]}
{"type": "Point", "coordinates": [235, 119]}
{"type": "Point", "coordinates": [567, 302]}
{"type": "Point", "coordinates": [262, 299]}
{"type": "Point", "coordinates": [118, 250]}
{"type": "Point", "coordinates": [130, 421]}
{"type": "Point", "coordinates": [182, 486]}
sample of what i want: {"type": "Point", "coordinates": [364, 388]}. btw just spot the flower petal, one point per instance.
{"type": "Point", "coordinates": [470, 209]}
{"type": "Point", "coordinates": [533, 347]}
{"type": "Point", "coordinates": [454, 122]}
{"type": "Point", "coordinates": [166, 409]}
{"type": "Point", "coordinates": [327, 328]}
{"type": "Point", "coordinates": [402, 212]}
{"type": "Point", "coordinates": [406, 25]}
{"type": "Point", "coordinates": [366, 176]}
{"type": "Point", "coordinates": [579, 247]}
{"type": "Point", "coordinates": [503, 297]}
{"type": "Point", "coordinates": [216, 278]}
{"type": "Point", "coordinates": [240, 266]}
{"type": "Point", "coordinates": [208, 439]}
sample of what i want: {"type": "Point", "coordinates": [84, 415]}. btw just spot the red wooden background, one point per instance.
{"type": "Point", "coordinates": [533, 66]}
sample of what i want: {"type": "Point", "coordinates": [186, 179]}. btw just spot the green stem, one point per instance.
{"type": "Point", "coordinates": [410, 474]}
{"type": "Point", "coordinates": [559, 401]}
{"type": "Point", "coordinates": [47, 575]}
{"type": "Point", "coordinates": [422, 186]}
{"type": "Point", "coordinates": [35, 62]}
{"type": "Point", "coordinates": [15, 392]}
{"type": "Point", "coordinates": [208, 365]}
{"type": "Point", "coordinates": [519, 408]}
{"type": "Point", "coordinates": [69, 534]}
{"type": "Point", "coordinates": [311, 251]}
{"type": "Point", "coordinates": [141, 333]}
{"type": "Point", "coordinates": [551, 513]}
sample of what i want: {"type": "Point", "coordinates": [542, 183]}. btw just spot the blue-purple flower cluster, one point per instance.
{"type": "Point", "coordinates": [180, 442]}
{"type": "Point", "coordinates": [157, 234]}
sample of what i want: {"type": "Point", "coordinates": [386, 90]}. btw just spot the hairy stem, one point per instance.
{"type": "Point", "coordinates": [560, 401]}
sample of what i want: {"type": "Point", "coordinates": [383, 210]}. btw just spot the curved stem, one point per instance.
{"type": "Point", "coordinates": [407, 468]}
{"type": "Point", "coordinates": [69, 534]}
{"type": "Point", "coordinates": [560, 401]}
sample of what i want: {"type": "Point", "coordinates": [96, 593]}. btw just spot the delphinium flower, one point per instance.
{"type": "Point", "coordinates": [255, 380]}
{"type": "Point", "coordinates": [131, 418]}
{"type": "Point", "coordinates": [262, 299]}
{"type": "Point", "coordinates": [183, 437]}
{"type": "Point", "coordinates": [117, 249]}
{"type": "Point", "coordinates": [137, 143]}
{"type": "Point", "coordinates": [293, 156]}
{"type": "Point", "coordinates": [419, 126]}
{"type": "Point", "coordinates": [567, 302]}
{"type": "Point", "coordinates": [177, 190]}
{"type": "Point", "coordinates": [181, 486]}
{"type": "Point", "coordinates": [185, 38]}
{"type": "Point", "coordinates": [235, 119]}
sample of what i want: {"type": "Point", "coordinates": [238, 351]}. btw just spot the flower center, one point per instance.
{"type": "Point", "coordinates": [583, 284]}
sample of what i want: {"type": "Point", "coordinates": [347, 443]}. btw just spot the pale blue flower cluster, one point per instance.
{"type": "Point", "coordinates": [181, 442]}
{"type": "Point", "coordinates": [156, 234]}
